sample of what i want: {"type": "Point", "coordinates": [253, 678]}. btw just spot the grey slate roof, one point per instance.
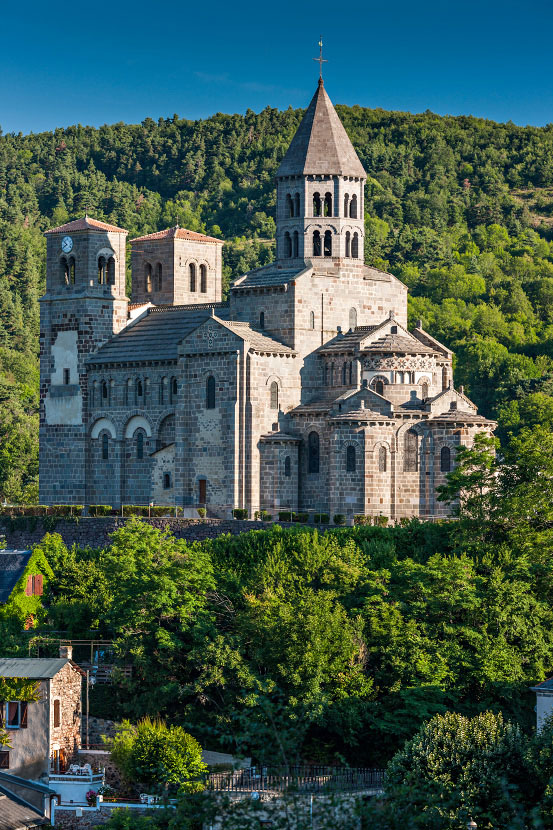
{"type": "Point", "coordinates": [156, 335]}
{"type": "Point", "coordinates": [12, 565]}
{"type": "Point", "coordinates": [398, 343]}
{"type": "Point", "coordinates": [35, 668]}
{"type": "Point", "coordinates": [459, 415]}
{"type": "Point", "coordinates": [16, 815]}
{"type": "Point", "coordinates": [544, 686]}
{"type": "Point", "coordinates": [267, 276]}
{"type": "Point", "coordinates": [348, 341]}
{"type": "Point", "coordinates": [321, 144]}
{"type": "Point", "coordinates": [261, 342]}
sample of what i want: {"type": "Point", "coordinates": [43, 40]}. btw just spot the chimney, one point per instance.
{"type": "Point", "coordinates": [66, 652]}
{"type": "Point", "coordinates": [462, 390]}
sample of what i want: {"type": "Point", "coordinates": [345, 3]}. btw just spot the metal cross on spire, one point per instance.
{"type": "Point", "coordinates": [320, 59]}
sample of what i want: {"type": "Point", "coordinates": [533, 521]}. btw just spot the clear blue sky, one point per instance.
{"type": "Point", "coordinates": [96, 63]}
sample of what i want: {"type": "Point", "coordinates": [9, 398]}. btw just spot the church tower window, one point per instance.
{"type": "Point", "coordinates": [295, 245]}
{"type": "Point", "coordinates": [445, 460]}
{"type": "Point", "coordinates": [287, 246]}
{"type": "Point", "coordinates": [64, 271]}
{"type": "Point", "coordinates": [105, 394]}
{"type": "Point", "coordinates": [316, 243]}
{"type": "Point", "coordinates": [203, 279]}
{"type": "Point", "coordinates": [346, 205]}
{"type": "Point", "coordinates": [174, 390]}
{"type": "Point", "coordinates": [210, 393]}
{"type": "Point", "coordinates": [192, 272]}
{"type": "Point", "coordinates": [297, 204]}
{"type": "Point", "coordinates": [355, 246]}
{"type": "Point", "coordinates": [274, 395]}
{"type": "Point", "coordinates": [289, 205]}
{"type": "Point", "coordinates": [316, 204]}
{"type": "Point", "coordinates": [102, 271]}
{"type": "Point", "coordinates": [313, 452]}
{"type": "Point", "coordinates": [348, 244]}
{"type": "Point", "coordinates": [328, 243]}
{"type": "Point", "coordinates": [72, 271]}
{"type": "Point", "coordinates": [148, 278]}
{"type": "Point", "coordinates": [111, 271]}
{"type": "Point", "coordinates": [353, 207]}
{"type": "Point", "coordinates": [411, 452]}
{"type": "Point", "coordinates": [139, 391]}
{"type": "Point", "coordinates": [350, 460]}
{"type": "Point", "coordinates": [328, 204]}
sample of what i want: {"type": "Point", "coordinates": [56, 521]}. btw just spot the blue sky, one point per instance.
{"type": "Point", "coordinates": [96, 63]}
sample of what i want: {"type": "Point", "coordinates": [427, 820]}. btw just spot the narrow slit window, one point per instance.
{"type": "Point", "coordinates": [203, 279]}
{"type": "Point", "coordinates": [105, 447]}
{"type": "Point", "coordinates": [287, 467]}
{"type": "Point", "coordinates": [445, 460]}
{"type": "Point", "coordinates": [210, 393]}
{"type": "Point", "coordinates": [328, 243]}
{"type": "Point", "coordinates": [313, 452]}
{"type": "Point", "coordinates": [316, 243]}
{"type": "Point", "coordinates": [140, 445]}
{"type": "Point", "coordinates": [350, 460]}
{"type": "Point", "coordinates": [274, 395]}
{"type": "Point", "coordinates": [192, 273]}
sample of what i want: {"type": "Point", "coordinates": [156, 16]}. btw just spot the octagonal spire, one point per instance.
{"type": "Point", "coordinates": [321, 145]}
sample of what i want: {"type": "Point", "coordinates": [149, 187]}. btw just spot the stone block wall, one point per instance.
{"type": "Point", "coordinates": [66, 687]}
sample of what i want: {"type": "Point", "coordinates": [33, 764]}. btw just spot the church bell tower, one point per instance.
{"type": "Point", "coordinates": [320, 191]}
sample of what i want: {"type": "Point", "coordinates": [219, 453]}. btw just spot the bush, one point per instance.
{"type": "Point", "coordinates": [321, 518]}
{"type": "Point", "coordinates": [301, 517]}
{"type": "Point", "coordinates": [65, 510]}
{"type": "Point", "coordinates": [202, 512]}
{"type": "Point", "coordinates": [262, 515]}
{"type": "Point", "coordinates": [157, 757]}
{"type": "Point", "coordinates": [135, 510]}
{"type": "Point", "coordinates": [161, 510]}
{"type": "Point", "coordinates": [240, 513]}
{"type": "Point", "coordinates": [285, 516]}
{"type": "Point", "coordinates": [100, 510]}
{"type": "Point", "coordinates": [339, 519]}
{"type": "Point", "coordinates": [361, 519]}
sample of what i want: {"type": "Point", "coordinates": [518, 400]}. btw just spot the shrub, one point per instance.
{"type": "Point", "coordinates": [160, 510]}
{"type": "Point", "coordinates": [265, 516]}
{"type": "Point", "coordinates": [240, 513]}
{"type": "Point", "coordinates": [202, 512]}
{"type": "Point", "coordinates": [339, 519]}
{"type": "Point", "coordinates": [301, 517]}
{"type": "Point", "coordinates": [135, 510]}
{"type": "Point", "coordinates": [158, 757]}
{"type": "Point", "coordinates": [321, 518]}
{"type": "Point", "coordinates": [66, 509]}
{"type": "Point", "coordinates": [100, 510]}
{"type": "Point", "coordinates": [361, 519]}
{"type": "Point", "coordinates": [285, 516]}
{"type": "Point", "coordinates": [380, 521]}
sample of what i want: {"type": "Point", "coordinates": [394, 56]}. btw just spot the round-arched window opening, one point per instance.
{"type": "Point", "coordinates": [167, 481]}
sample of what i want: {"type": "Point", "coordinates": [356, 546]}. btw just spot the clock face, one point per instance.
{"type": "Point", "coordinates": [66, 244]}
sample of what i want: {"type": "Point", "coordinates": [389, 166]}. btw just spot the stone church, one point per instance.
{"type": "Point", "coordinates": [304, 389]}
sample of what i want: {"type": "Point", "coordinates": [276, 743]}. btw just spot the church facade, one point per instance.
{"type": "Point", "coordinates": [304, 390]}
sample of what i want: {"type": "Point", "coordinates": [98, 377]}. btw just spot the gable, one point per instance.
{"type": "Point", "coordinates": [210, 336]}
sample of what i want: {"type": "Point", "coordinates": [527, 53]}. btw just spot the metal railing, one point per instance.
{"type": "Point", "coordinates": [301, 779]}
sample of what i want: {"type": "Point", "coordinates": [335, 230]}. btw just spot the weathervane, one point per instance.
{"type": "Point", "coordinates": [320, 59]}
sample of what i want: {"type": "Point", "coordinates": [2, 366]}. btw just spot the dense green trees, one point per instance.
{"type": "Point", "coordinates": [461, 209]}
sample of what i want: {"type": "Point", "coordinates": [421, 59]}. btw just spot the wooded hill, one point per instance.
{"type": "Point", "coordinates": [461, 209]}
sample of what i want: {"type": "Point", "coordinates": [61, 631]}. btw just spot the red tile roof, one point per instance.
{"type": "Point", "coordinates": [177, 233]}
{"type": "Point", "coordinates": [86, 224]}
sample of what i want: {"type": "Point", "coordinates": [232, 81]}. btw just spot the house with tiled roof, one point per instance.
{"type": "Point", "coordinates": [304, 389]}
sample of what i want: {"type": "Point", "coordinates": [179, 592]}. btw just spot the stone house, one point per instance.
{"type": "Point", "coordinates": [304, 390]}
{"type": "Point", "coordinates": [23, 578]}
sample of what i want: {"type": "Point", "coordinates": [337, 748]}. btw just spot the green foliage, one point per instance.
{"type": "Point", "coordinates": [240, 513]}
{"type": "Point", "coordinates": [21, 607]}
{"type": "Point", "coordinates": [339, 519]}
{"type": "Point", "coordinates": [158, 757]}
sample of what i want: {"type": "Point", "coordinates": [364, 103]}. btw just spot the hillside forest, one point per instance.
{"type": "Point", "coordinates": [460, 209]}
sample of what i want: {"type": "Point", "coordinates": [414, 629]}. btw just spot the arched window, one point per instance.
{"type": "Point", "coordinates": [424, 390]}
{"type": "Point", "coordinates": [297, 204]}
{"type": "Point", "coordinates": [166, 481]}
{"type": "Point", "coordinates": [346, 203]}
{"type": "Point", "coordinates": [210, 393]}
{"type": "Point", "coordinates": [311, 319]}
{"type": "Point", "coordinates": [192, 272]}
{"type": "Point", "coordinates": [158, 277]}
{"type": "Point", "coordinates": [140, 444]}
{"type": "Point", "coordinates": [328, 243]}
{"type": "Point", "coordinates": [313, 452]}
{"type": "Point", "coordinates": [72, 270]}
{"type": "Point", "coordinates": [174, 389]}
{"type": "Point", "coordinates": [355, 246]}
{"type": "Point", "coordinates": [105, 446]}
{"type": "Point", "coordinates": [203, 279]}
{"type": "Point", "coordinates": [139, 391]}
{"type": "Point", "coordinates": [399, 377]}
{"type": "Point", "coordinates": [382, 460]}
{"type": "Point", "coordinates": [289, 205]}
{"type": "Point", "coordinates": [411, 452]}
{"type": "Point", "coordinates": [274, 395]}
{"type": "Point", "coordinates": [350, 460]}
{"type": "Point", "coordinates": [295, 245]}
{"type": "Point", "coordinates": [328, 204]}
{"type": "Point", "coordinates": [344, 373]}
{"type": "Point", "coordinates": [287, 246]}
{"type": "Point", "coordinates": [102, 271]}
{"type": "Point", "coordinates": [379, 387]}
{"type": "Point", "coordinates": [353, 318]}
{"type": "Point", "coordinates": [353, 207]}
{"type": "Point", "coordinates": [348, 244]}
{"type": "Point", "coordinates": [128, 392]}
{"type": "Point", "coordinates": [111, 271]}
{"type": "Point", "coordinates": [148, 278]}
{"type": "Point", "coordinates": [316, 243]}
{"type": "Point", "coordinates": [445, 460]}
{"type": "Point", "coordinates": [105, 393]}
{"type": "Point", "coordinates": [316, 204]}
{"type": "Point", "coordinates": [351, 372]}
{"type": "Point", "coordinates": [64, 271]}
{"type": "Point", "coordinates": [261, 319]}
{"type": "Point", "coordinates": [163, 390]}
{"type": "Point", "coordinates": [287, 467]}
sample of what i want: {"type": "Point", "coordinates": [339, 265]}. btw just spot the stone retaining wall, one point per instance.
{"type": "Point", "coordinates": [95, 532]}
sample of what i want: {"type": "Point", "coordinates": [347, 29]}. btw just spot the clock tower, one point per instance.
{"type": "Point", "coordinates": [83, 307]}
